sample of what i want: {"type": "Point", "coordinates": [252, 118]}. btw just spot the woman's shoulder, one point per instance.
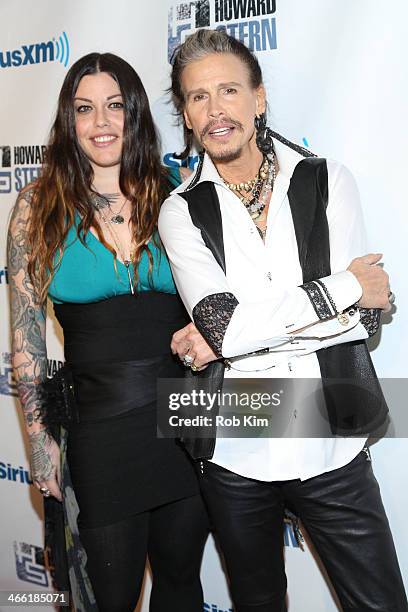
{"type": "Point", "coordinates": [27, 192]}
{"type": "Point", "coordinates": [20, 213]}
{"type": "Point", "coordinates": [24, 199]}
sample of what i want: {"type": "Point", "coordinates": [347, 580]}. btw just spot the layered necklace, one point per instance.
{"type": "Point", "coordinates": [105, 201]}
{"type": "Point", "coordinates": [254, 193]}
{"type": "Point", "coordinates": [101, 204]}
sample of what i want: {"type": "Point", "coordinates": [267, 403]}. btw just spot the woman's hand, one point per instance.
{"type": "Point", "coordinates": [45, 462]}
{"type": "Point", "coordinates": [189, 341]}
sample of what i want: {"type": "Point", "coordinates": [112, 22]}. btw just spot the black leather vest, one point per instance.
{"type": "Point", "coordinates": [354, 399]}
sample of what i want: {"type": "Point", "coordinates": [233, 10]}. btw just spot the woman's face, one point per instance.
{"type": "Point", "coordinates": [99, 118]}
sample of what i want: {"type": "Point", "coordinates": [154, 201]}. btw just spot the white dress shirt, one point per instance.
{"type": "Point", "coordinates": [265, 278]}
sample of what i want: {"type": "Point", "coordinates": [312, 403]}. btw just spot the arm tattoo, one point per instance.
{"type": "Point", "coordinates": [41, 463]}
{"type": "Point", "coordinates": [29, 352]}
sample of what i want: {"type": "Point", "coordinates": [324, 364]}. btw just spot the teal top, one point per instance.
{"type": "Point", "coordinates": [87, 273]}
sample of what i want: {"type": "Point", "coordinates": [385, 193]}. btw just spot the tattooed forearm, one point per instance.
{"type": "Point", "coordinates": [41, 463]}
{"type": "Point", "coordinates": [28, 395]}
{"type": "Point", "coordinates": [27, 316]}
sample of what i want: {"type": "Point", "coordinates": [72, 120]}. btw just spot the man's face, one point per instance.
{"type": "Point", "coordinates": [220, 105]}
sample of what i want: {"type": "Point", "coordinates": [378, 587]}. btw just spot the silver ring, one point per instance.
{"type": "Point", "coordinates": [46, 492]}
{"type": "Point", "coordinates": [391, 297]}
{"type": "Point", "coordinates": [188, 360]}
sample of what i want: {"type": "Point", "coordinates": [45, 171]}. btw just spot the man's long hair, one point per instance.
{"type": "Point", "coordinates": [197, 46]}
{"type": "Point", "coordinates": [65, 184]}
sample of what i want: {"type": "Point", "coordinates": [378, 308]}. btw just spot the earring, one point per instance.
{"type": "Point", "coordinates": [263, 134]}
{"type": "Point", "coordinates": [260, 122]}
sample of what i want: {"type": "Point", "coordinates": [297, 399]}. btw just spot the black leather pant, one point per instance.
{"type": "Point", "coordinates": [344, 516]}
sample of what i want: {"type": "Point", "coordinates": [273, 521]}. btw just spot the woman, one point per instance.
{"type": "Point", "coordinates": [85, 235]}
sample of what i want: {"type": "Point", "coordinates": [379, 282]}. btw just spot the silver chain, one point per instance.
{"type": "Point", "coordinates": [118, 245]}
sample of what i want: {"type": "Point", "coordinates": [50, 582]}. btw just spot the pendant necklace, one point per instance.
{"type": "Point", "coordinates": [118, 219]}
{"type": "Point", "coordinates": [104, 201]}
{"type": "Point", "coordinates": [126, 262]}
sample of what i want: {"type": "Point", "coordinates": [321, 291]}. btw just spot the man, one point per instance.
{"type": "Point", "coordinates": [258, 284]}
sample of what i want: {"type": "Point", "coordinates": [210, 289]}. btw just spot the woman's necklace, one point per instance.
{"type": "Point", "coordinates": [106, 200]}
{"type": "Point", "coordinates": [118, 219]}
{"type": "Point", "coordinates": [118, 245]}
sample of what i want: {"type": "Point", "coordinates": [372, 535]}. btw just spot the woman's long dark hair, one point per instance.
{"type": "Point", "coordinates": [66, 180]}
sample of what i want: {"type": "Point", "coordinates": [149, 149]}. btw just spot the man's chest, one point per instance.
{"type": "Point", "coordinates": [255, 268]}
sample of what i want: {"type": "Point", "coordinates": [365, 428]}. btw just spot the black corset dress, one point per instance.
{"type": "Point", "coordinates": [117, 348]}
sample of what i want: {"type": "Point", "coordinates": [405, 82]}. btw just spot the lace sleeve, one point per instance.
{"type": "Point", "coordinates": [318, 300]}
{"type": "Point", "coordinates": [370, 318]}
{"type": "Point", "coordinates": [212, 315]}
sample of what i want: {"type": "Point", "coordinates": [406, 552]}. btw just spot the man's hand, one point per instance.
{"type": "Point", "coordinates": [189, 341]}
{"type": "Point", "coordinates": [373, 280]}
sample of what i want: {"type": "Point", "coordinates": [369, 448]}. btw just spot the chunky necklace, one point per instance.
{"type": "Point", "coordinates": [249, 185]}
{"type": "Point", "coordinates": [255, 197]}
{"type": "Point", "coordinates": [104, 201]}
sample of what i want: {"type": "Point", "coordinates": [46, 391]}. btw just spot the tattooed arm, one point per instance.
{"type": "Point", "coordinates": [29, 353]}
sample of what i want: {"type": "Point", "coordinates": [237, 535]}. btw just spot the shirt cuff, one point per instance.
{"type": "Point", "coordinates": [344, 288]}
{"type": "Point", "coordinates": [331, 295]}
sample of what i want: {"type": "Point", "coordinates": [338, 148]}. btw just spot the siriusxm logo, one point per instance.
{"type": "Point", "coordinates": [30, 565]}
{"type": "Point", "coordinates": [247, 20]}
{"type": "Point", "coordinates": [172, 162]}
{"type": "Point", "coordinates": [56, 49]}
{"type": "Point", "coordinates": [14, 474]}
